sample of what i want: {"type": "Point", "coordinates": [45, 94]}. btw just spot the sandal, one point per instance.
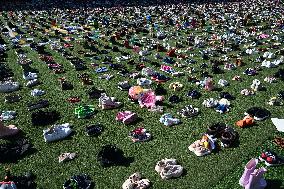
{"type": "Point", "coordinates": [279, 141]}
{"type": "Point", "coordinates": [73, 99]}
{"type": "Point", "coordinates": [66, 156]}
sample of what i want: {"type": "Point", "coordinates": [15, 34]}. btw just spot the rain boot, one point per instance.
{"type": "Point", "coordinates": [256, 180]}
{"type": "Point", "coordinates": [249, 168]}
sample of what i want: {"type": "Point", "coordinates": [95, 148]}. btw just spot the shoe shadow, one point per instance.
{"type": "Point", "coordinates": [138, 120]}
{"type": "Point", "coordinates": [274, 183]}
{"type": "Point", "coordinates": [218, 89]}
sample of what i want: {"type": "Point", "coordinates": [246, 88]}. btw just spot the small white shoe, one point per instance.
{"type": "Point", "coordinates": [57, 132]}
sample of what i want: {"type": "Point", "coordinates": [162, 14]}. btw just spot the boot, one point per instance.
{"type": "Point", "coordinates": [249, 168]}
{"type": "Point", "coordinates": [256, 180]}
{"type": "Point", "coordinates": [7, 131]}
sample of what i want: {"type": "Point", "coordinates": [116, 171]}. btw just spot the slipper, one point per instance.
{"type": "Point", "coordinates": [66, 157]}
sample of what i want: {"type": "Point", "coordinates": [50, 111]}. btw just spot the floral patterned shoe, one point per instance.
{"type": "Point", "coordinates": [140, 135]}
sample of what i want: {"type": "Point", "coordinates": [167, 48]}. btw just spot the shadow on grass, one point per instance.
{"type": "Point", "coordinates": [274, 184]}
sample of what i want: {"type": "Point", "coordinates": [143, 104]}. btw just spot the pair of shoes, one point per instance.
{"type": "Point", "coordinates": [258, 113]}
{"type": "Point", "coordinates": [247, 121]}
{"type": "Point", "coordinates": [189, 111]}
{"type": "Point", "coordinates": [81, 181]}
{"type": "Point", "coordinates": [169, 120]}
{"type": "Point", "coordinates": [204, 146]}
{"type": "Point", "coordinates": [7, 131]}
{"type": "Point", "coordinates": [226, 134]}
{"type": "Point", "coordinates": [66, 157]}
{"type": "Point", "coordinates": [135, 181]}
{"type": "Point", "coordinates": [140, 135]}
{"type": "Point", "coordinates": [168, 168]}
{"type": "Point", "coordinates": [39, 104]}
{"type": "Point", "coordinates": [194, 94]}
{"type": "Point", "coordinates": [106, 102]}
{"type": "Point", "coordinates": [8, 86]}
{"type": "Point", "coordinates": [271, 159]}
{"type": "Point", "coordinates": [57, 132]}
{"type": "Point", "coordinates": [252, 177]}
{"type": "Point", "coordinates": [223, 105]}
{"type": "Point", "coordinates": [126, 117]}
{"type": "Point", "coordinates": [94, 129]}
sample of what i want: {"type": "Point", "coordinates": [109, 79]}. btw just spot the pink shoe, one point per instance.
{"type": "Point", "coordinates": [126, 117]}
{"type": "Point", "coordinates": [249, 169]}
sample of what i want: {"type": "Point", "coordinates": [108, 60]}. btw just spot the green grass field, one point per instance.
{"type": "Point", "coordinates": [221, 169]}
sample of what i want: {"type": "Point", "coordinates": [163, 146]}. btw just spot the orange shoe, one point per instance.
{"type": "Point", "coordinates": [247, 121]}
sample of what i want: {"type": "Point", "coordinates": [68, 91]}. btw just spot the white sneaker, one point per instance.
{"type": "Point", "coordinates": [30, 76]}
{"type": "Point", "coordinates": [223, 82]}
{"type": "Point", "coordinates": [171, 171]}
{"type": "Point", "coordinates": [8, 115]}
{"type": "Point", "coordinates": [37, 92]}
{"type": "Point", "coordinates": [32, 83]}
{"type": "Point", "coordinates": [57, 132]}
{"type": "Point", "coordinates": [8, 86]}
{"type": "Point", "coordinates": [163, 163]}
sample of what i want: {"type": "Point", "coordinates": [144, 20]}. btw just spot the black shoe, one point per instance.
{"type": "Point", "coordinates": [216, 129]}
{"type": "Point", "coordinates": [95, 93]}
{"type": "Point", "coordinates": [94, 130]}
{"type": "Point", "coordinates": [226, 95]}
{"type": "Point", "coordinates": [81, 181]}
{"type": "Point", "coordinates": [259, 114]}
{"type": "Point", "coordinates": [12, 98]}
{"type": "Point", "coordinates": [228, 137]}
{"type": "Point", "coordinates": [40, 104]}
